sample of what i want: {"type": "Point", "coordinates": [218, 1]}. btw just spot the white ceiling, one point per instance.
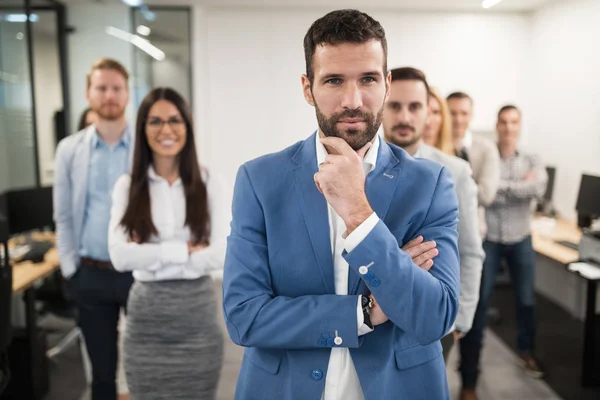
{"type": "Point", "coordinates": [420, 5]}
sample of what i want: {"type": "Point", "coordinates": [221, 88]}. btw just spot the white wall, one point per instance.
{"type": "Point", "coordinates": [563, 110]}
{"type": "Point", "coordinates": [90, 42]}
{"type": "Point", "coordinates": [250, 64]}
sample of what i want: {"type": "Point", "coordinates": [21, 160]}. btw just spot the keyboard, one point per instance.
{"type": "Point", "coordinates": [566, 243]}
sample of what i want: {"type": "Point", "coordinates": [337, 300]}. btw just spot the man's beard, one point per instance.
{"type": "Point", "coordinates": [391, 137]}
{"type": "Point", "coordinates": [356, 138]}
{"type": "Point", "coordinates": [109, 113]}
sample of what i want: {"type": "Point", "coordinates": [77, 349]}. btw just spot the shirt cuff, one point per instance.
{"type": "Point", "coordinates": [363, 329]}
{"type": "Point", "coordinates": [360, 233]}
{"type": "Point", "coordinates": [174, 252]}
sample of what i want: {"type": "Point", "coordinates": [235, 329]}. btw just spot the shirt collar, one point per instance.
{"type": "Point", "coordinates": [370, 160]}
{"type": "Point", "coordinates": [468, 139]}
{"type": "Point", "coordinates": [153, 176]}
{"type": "Point", "coordinates": [124, 141]}
{"type": "Point", "coordinates": [419, 152]}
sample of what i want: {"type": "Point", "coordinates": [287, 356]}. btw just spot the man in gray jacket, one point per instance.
{"type": "Point", "coordinates": [404, 120]}
{"type": "Point", "coordinates": [479, 152]}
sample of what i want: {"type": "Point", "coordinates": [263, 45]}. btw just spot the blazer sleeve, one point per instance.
{"type": "Point", "coordinates": [62, 195]}
{"type": "Point", "coordinates": [470, 250]}
{"type": "Point", "coordinates": [255, 316]}
{"type": "Point", "coordinates": [489, 177]}
{"type": "Point", "coordinates": [421, 303]}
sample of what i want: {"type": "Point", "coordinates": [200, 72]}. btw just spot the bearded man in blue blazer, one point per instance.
{"type": "Point", "coordinates": [319, 285]}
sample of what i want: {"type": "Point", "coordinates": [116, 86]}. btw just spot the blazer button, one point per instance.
{"type": "Point", "coordinates": [338, 340]}
{"type": "Point", "coordinates": [375, 282]}
{"type": "Point", "coordinates": [323, 342]}
{"type": "Point", "coordinates": [330, 342]}
{"type": "Point", "coordinates": [363, 270]}
{"type": "Point", "coordinates": [317, 375]}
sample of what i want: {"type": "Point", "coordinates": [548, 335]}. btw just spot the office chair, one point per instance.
{"type": "Point", "coordinates": [56, 300]}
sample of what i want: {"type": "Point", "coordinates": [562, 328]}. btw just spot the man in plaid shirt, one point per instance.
{"type": "Point", "coordinates": [508, 218]}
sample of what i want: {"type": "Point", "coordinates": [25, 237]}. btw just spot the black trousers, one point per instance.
{"type": "Point", "coordinates": [100, 294]}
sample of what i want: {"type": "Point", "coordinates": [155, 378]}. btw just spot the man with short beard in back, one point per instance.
{"type": "Point", "coordinates": [87, 165]}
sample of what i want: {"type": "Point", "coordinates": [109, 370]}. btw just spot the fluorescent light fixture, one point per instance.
{"type": "Point", "coordinates": [21, 18]}
{"type": "Point", "coordinates": [137, 41]}
{"type": "Point", "coordinates": [143, 30]}
{"type": "Point", "coordinates": [489, 3]}
{"type": "Point", "coordinates": [133, 3]}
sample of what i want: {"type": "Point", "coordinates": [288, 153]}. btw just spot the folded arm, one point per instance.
{"type": "Point", "coordinates": [255, 316]}
{"type": "Point", "coordinates": [127, 255]}
{"type": "Point", "coordinates": [422, 303]}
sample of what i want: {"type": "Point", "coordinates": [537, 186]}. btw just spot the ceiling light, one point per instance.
{"type": "Point", "coordinates": [21, 18]}
{"type": "Point", "coordinates": [133, 3]}
{"type": "Point", "coordinates": [489, 3]}
{"type": "Point", "coordinates": [143, 30]}
{"type": "Point", "coordinates": [138, 41]}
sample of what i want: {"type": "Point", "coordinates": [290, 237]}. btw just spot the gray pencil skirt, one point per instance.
{"type": "Point", "coordinates": [173, 342]}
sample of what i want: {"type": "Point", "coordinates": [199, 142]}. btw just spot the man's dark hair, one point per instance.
{"type": "Point", "coordinates": [410, 74]}
{"type": "Point", "coordinates": [342, 26]}
{"type": "Point", "coordinates": [508, 107]}
{"type": "Point", "coordinates": [459, 96]}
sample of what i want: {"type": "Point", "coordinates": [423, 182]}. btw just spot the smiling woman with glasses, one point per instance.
{"type": "Point", "coordinates": [169, 224]}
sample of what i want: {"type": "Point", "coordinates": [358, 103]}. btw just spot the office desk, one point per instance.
{"type": "Point", "coordinates": [544, 237]}
{"type": "Point", "coordinates": [25, 275]}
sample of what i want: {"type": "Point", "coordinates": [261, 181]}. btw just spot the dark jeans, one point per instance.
{"type": "Point", "coordinates": [520, 260]}
{"type": "Point", "coordinates": [100, 294]}
{"type": "Point", "coordinates": [447, 344]}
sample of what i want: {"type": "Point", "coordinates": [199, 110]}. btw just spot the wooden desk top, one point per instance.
{"type": "Point", "coordinates": [545, 233]}
{"type": "Point", "coordinates": [26, 273]}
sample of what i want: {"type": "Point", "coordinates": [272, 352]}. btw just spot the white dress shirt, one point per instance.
{"type": "Point", "coordinates": [165, 256]}
{"type": "Point", "coordinates": [342, 381]}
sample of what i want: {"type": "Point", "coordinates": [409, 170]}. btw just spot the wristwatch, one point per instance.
{"type": "Point", "coordinates": [367, 304]}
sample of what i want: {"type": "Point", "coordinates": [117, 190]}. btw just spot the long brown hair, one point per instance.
{"type": "Point", "coordinates": [138, 219]}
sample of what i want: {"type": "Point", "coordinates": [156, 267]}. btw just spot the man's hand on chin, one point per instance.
{"type": "Point", "coordinates": [341, 179]}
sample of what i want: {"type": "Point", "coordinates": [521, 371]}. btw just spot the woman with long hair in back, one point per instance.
{"type": "Point", "coordinates": [438, 131]}
{"type": "Point", "coordinates": [169, 224]}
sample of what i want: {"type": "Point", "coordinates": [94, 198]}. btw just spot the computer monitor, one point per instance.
{"type": "Point", "coordinates": [588, 200]}
{"type": "Point", "coordinates": [551, 171]}
{"type": "Point", "coordinates": [29, 209]}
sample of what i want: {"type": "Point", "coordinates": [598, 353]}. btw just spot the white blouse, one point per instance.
{"type": "Point", "coordinates": [165, 256]}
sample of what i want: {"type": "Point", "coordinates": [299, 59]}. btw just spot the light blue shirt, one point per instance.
{"type": "Point", "coordinates": [106, 165]}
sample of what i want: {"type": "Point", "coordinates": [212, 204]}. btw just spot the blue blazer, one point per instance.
{"type": "Point", "coordinates": [279, 297]}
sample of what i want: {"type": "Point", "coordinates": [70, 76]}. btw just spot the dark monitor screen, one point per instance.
{"type": "Point", "coordinates": [551, 171]}
{"type": "Point", "coordinates": [29, 209]}
{"type": "Point", "coordinates": [588, 201]}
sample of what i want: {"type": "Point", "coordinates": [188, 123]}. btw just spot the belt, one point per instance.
{"type": "Point", "coordinates": [90, 262]}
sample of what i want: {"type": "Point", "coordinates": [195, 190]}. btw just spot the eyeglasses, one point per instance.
{"type": "Point", "coordinates": [155, 125]}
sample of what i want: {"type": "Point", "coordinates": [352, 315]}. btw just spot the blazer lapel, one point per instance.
{"type": "Point", "coordinates": [314, 208]}
{"type": "Point", "coordinates": [380, 187]}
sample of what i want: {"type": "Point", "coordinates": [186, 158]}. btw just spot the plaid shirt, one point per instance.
{"type": "Point", "coordinates": [509, 216]}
